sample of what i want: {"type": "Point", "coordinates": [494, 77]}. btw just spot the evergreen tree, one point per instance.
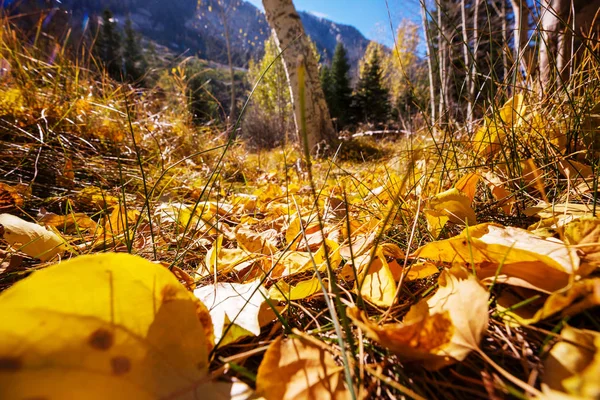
{"type": "Point", "coordinates": [327, 85]}
{"type": "Point", "coordinates": [371, 100]}
{"type": "Point", "coordinates": [108, 46]}
{"type": "Point", "coordinates": [341, 91]}
{"type": "Point", "coordinates": [135, 63]}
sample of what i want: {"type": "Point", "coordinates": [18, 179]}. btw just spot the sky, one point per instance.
{"type": "Point", "coordinates": [368, 16]}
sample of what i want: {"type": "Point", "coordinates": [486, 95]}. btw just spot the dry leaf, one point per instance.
{"type": "Point", "coordinates": [573, 365]}
{"type": "Point", "coordinates": [584, 233]}
{"type": "Point", "coordinates": [281, 291]}
{"type": "Point", "coordinates": [468, 184]}
{"type": "Point", "coordinates": [10, 198]}
{"type": "Point", "coordinates": [254, 242]}
{"type": "Point", "coordinates": [102, 326]}
{"type": "Point", "coordinates": [438, 331]}
{"type": "Point", "coordinates": [578, 297]}
{"type": "Point", "coordinates": [70, 223]}
{"type": "Point", "coordinates": [235, 308]}
{"type": "Point", "coordinates": [527, 260]}
{"type": "Point", "coordinates": [296, 369]}
{"type": "Point", "coordinates": [32, 239]}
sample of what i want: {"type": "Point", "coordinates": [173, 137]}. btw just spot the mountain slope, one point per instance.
{"type": "Point", "coordinates": [197, 26]}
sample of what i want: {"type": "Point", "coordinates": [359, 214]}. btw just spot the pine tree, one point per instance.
{"type": "Point", "coordinates": [134, 60]}
{"type": "Point", "coordinates": [327, 85]}
{"type": "Point", "coordinates": [341, 91]}
{"type": "Point", "coordinates": [108, 46]}
{"type": "Point", "coordinates": [371, 100]}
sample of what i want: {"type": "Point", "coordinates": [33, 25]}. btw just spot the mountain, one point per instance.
{"type": "Point", "coordinates": [197, 27]}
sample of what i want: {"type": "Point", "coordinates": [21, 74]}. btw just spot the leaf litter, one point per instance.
{"type": "Point", "coordinates": [383, 284]}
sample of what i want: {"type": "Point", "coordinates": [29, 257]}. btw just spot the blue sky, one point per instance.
{"type": "Point", "coordinates": [369, 16]}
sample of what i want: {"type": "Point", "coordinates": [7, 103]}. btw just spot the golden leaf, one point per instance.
{"type": "Point", "coordinates": [296, 369]}
{"type": "Point", "coordinates": [102, 326]}
{"type": "Point", "coordinates": [527, 260]}
{"type": "Point", "coordinates": [281, 291]}
{"type": "Point", "coordinates": [235, 309]}
{"type": "Point", "coordinates": [32, 239]}
{"type": "Point", "coordinates": [454, 205]}
{"type": "Point", "coordinates": [438, 331]}
{"type": "Point", "coordinates": [573, 365]}
{"type": "Point", "coordinates": [254, 242]}
{"type": "Point", "coordinates": [584, 233]}
{"type": "Point", "coordinates": [468, 184]}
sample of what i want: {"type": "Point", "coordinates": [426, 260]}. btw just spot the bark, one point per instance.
{"type": "Point", "coordinates": [472, 70]}
{"type": "Point", "coordinates": [520, 39]}
{"type": "Point", "coordinates": [429, 64]}
{"type": "Point", "coordinates": [289, 33]}
{"type": "Point", "coordinates": [467, 61]}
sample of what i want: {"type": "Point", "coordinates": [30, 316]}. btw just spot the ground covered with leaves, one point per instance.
{"type": "Point", "coordinates": [144, 257]}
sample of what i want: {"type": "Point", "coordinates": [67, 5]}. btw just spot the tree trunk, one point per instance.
{"type": "Point", "coordinates": [554, 12]}
{"type": "Point", "coordinates": [429, 64]}
{"type": "Point", "coordinates": [521, 15]}
{"type": "Point", "coordinates": [473, 71]}
{"type": "Point", "coordinates": [290, 38]}
{"type": "Point", "coordinates": [467, 61]}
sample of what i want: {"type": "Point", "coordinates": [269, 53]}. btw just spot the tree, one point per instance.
{"type": "Point", "coordinates": [371, 99]}
{"type": "Point", "coordinates": [327, 84]}
{"type": "Point", "coordinates": [134, 60]}
{"type": "Point", "coordinates": [272, 95]}
{"type": "Point", "coordinates": [301, 69]}
{"type": "Point", "coordinates": [341, 92]}
{"type": "Point", "coordinates": [108, 46]}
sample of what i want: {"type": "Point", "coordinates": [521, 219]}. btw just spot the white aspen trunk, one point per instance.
{"type": "Point", "coordinates": [473, 70]}
{"type": "Point", "coordinates": [467, 61]}
{"type": "Point", "coordinates": [290, 37]}
{"type": "Point", "coordinates": [441, 62]}
{"type": "Point", "coordinates": [521, 15]}
{"type": "Point", "coordinates": [429, 51]}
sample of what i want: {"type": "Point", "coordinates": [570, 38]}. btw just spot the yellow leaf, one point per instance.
{"type": "Point", "coordinates": [281, 291]}
{"type": "Point", "coordinates": [421, 270]}
{"type": "Point", "coordinates": [254, 242]}
{"type": "Point", "coordinates": [10, 198]}
{"type": "Point", "coordinates": [96, 198]}
{"type": "Point", "coordinates": [32, 239]}
{"type": "Point", "coordinates": [573, 365]}
{"type": "Point", "coordinates": [296, 369]}
{"type": "Point", "coordinates": [221, 259]}
{"type": "Point", "coordinates": [578, 297]}
{"type": "Point", "coordinates": [436, 221]}
{"type": "Point", "coordinates": [533, 175]}
{"type": "Point", "coordinates": [234, 308]}
{"type": "Point", "coordinates": [496, 186]}
{"type": "Point", "coordinates": [584, 233]}
{"type": "Point", "coordinates": [527, 260]}
{"type": "Point", "coordinates": [102, 326]}
{"type": "Point", "coordinates": [377, 283]}
{"type": "Point", "coordinates": [70, 223]}
{"type": "Point", "coordinates": [455, 205]}
{"type": "Point", "coordinates": [438, 331]}
{"type": "Point", "coordinates": [468, 184]}
{"type": "Point", "coordinates": [572, 169]}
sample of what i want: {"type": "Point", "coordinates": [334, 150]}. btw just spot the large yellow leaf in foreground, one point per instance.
{"type": "Point", "coordinates": [109, 326]}
{"type": "Point", "coordinates": [296, 369]}
{"type": "Point", "coordinates": [438, 331]}
{"type": "Point", "coordinates": [527, 260]}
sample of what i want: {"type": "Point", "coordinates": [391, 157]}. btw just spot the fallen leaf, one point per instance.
{"type": "Point", "coordinates": [235, 308]}
{"type": "Point", "coordinates": [70, 223]}
{"type": "Point", "coordinates": [32, 239]}
{"type": "Point", "coordinates": [223, 260]}
{"type": "Point", "coordinates": [102, 326]}
{"type": "Point", "coordinates": [468, 184]}
{"type": "Point", "coordinates": [573, 365]}
{"type": "Point", "coordinates": [578, 297]}
{"type": "Point", "coordinates": [527, 260]}
{"type": "Point", "coordinates": [10, 199]}
{"type": "Point", "coordinates": [451, 205]}
{"type": "Point", "coordinates": [281, 291]}
{"type": "Point", "coordinates": [584, 234]}
{"type": "Point", "coordinates": [254, 242]}
{"type": "Point", "coordinates": [296, 369]}
{"type": "Point", "coordinates": [438, 331]}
